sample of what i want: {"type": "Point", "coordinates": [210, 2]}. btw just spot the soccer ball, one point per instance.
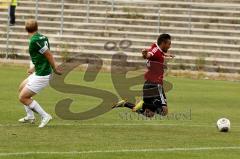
{"type": "Point", "coordinates": [223, 125]}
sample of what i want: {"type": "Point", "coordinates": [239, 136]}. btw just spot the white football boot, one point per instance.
{"type": "Point", "coordinates": [27, 119]}
{"type": "Point", "coordinates": [45, 121]}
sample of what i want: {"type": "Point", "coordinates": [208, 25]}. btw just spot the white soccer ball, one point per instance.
{"type": "Point", "coordinates": [223, 125]}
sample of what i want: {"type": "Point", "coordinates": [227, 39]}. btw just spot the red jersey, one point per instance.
{"type": "Point", "coordinates": [155, 65]}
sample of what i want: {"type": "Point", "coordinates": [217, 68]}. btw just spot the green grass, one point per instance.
{"type": "Point", "coordinates": [100, 137]}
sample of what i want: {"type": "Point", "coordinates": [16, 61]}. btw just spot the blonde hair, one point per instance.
{"type": "Point", "coordinates": [31, 26]}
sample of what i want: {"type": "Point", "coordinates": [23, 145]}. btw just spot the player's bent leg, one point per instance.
{"type": "Point", "coordinates": [30, 114]}
{"type": "Point", "coordinates": [22, 85]}
{"type": "Point", "coordinates": [119, 104]}
{"type": "Point", "coordinates": [123, 103]}
{"type": "Point", "coordinates": [36, 84]}
{"type": "Point", "coordinates": [138, 106]}
{"type": "Point", "coordinates": [44, 115]}
{"type": "Point", "coordinates": [25, 96]}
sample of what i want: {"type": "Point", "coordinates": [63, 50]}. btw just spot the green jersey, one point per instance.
{"type": "Point", "coordinates": [38, 45]}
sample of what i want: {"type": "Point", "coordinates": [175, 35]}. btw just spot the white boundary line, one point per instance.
{"type": "Point", "coordinates": [110, 124]}
{"type": "Point", "coordinates": [119, 151]}
{"type": "Point", "coordinates": [119, 124]}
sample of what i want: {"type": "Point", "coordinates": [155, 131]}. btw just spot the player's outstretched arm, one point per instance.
{"type": "Point", "coordinates": [52, 62]}
{"type": "Point", "coordinates": [146, 54]}
{"type": "Point", "coordinates": [169, 55]}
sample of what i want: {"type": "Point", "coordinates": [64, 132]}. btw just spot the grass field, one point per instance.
{"type": "Point", "coordinates": [112, 136]}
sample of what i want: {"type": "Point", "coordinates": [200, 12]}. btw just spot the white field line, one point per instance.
{"type": "Point", "coordinates": [118, 151]}
{"type": "Point", "coordinates": [120, 124]}
{"type": "Point", "coordinates": [110, 124]}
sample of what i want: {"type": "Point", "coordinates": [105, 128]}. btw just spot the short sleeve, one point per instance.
{"type": "Point", "coordinates": [153, 49]}
{"type": "Point", "coordinates": [42, 46]}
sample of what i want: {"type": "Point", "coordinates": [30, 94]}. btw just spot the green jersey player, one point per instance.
{"type": "Point", "coordinates": [39, 75]}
